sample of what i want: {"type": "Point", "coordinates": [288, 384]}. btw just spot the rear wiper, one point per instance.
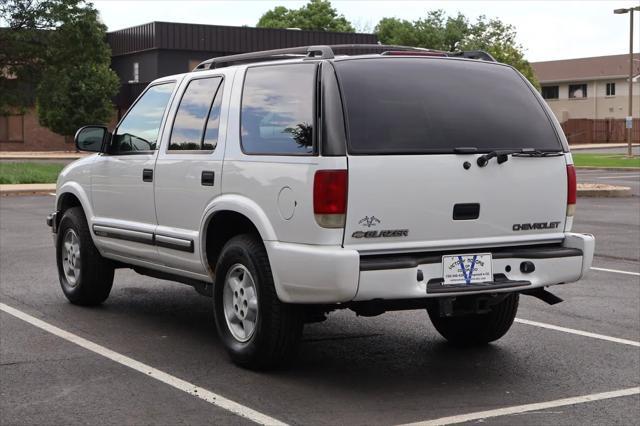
{"type": "Point", "coordinates": [503, 155]}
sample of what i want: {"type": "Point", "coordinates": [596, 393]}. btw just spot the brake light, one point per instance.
{"type": "Point", "coordinates": [330, 197]}
{"type": "Point", "coordinates": [571, 189]}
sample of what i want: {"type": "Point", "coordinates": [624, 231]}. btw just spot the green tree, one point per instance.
{"type": "Point", "coordinates": [57, 50]}
{"type": "Point", "coordinates": [315, 15]}
{"type": "Point", "coordinates": [441, 32]}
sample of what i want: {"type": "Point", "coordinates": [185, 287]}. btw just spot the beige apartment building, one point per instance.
{"type": "Point", "coordinates": [589, 88]}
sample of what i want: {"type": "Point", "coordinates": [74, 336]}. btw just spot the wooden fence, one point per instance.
{"type": "Point", "coordinates": [584, 130]}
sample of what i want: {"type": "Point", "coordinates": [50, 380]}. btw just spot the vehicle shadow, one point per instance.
{"type": "Point", "coordinates": [394, 349]}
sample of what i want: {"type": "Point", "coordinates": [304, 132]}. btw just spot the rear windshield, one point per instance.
{"type": "Point", "coordinates": [427, 105]}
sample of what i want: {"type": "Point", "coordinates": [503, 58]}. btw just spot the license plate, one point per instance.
{"type": "Point", "coordinates": [467, 268]}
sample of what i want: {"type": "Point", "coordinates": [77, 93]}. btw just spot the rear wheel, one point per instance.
{"type": "Point", "coordinates": [476, 328]}
{"type": "Point", "coordinates": [257, 329]}
{"type": "Point", "coordinates": [85, 276]}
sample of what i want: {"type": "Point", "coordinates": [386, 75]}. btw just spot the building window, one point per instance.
{"type": "Point", "coordinates": [136, 72]}
{"type": "Point", "coordinates": [577, 91]}
{"type": "Point", "coordinates": [550, 92]}
{"type": "Point", "coordinates": [611, 89]}
{"type": "Point", "coordinates": [12, 128]}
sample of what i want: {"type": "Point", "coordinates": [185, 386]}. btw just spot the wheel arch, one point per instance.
{"type": "Point", "coordinates": [226, 217]}
{"type": "Point", "coordinates": [73, 195]}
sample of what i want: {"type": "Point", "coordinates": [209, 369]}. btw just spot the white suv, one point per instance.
{"type": "Point", "coordinates": [290, 183]}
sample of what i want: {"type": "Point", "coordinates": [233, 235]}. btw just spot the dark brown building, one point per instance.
{"type": "Point", "coordinates": [145, 52]}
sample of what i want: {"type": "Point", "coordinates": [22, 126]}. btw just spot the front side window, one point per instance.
{"type": "Point", "coordinates": [550, 92]}
{"type": "Point", "coordinates": [196, 105]}
{"type": "Point", "coordinates": [139, 130]}
{"type": "Point", "coordinates": [611, 89]}
{"type": "Point", "coordinates": [277, 109]}
{"type": "Point", "coordinates": [577, 91]}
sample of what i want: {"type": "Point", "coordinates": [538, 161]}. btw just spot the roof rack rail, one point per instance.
{"type": "Point", "coordinates": [327, 52]}
{"type": "Point", "coordinates": [316, 52]}
{"type": "Point", "coordinates": [474, 54]}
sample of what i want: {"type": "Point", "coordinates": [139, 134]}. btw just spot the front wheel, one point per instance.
{"type": "Point", "coordinates": [85, 276]}
{"type": "Point", "coordinates": [479, 328]}
{"type": "Point", "coordinates": [257, 329]}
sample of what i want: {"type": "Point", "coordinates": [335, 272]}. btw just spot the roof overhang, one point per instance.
{"type": "Point", "coordinates": [600, 77]}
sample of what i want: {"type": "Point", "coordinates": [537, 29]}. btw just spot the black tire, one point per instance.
{"type": "Point", "coordinates": [476, 329]}
{"type": "Point", "coordinates": [278, 326]}
{"type": "Point", "coordinates": [94, 280]}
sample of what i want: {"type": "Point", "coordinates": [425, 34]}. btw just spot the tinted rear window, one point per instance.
{"type": "Point", "coordinates": [426, 105]}
{"type": "Point", "coordinates": [277, 109]}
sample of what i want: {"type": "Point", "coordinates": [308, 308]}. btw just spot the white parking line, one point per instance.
{"type": "Point", "coordinates": [578, 332]}
{"type": "Point", "coordinates": [528, 407]}
{"type": "Point", "coordinates": [617, 271]}
{"type": "Point", "coordinates": [147, 370]}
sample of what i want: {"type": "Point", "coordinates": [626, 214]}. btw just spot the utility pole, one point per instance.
{"type": "Point", "coordinates": [629, 120]}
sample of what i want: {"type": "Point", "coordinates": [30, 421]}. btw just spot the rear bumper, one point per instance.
{"type": "Point", "coordinates": [316, 274]}
{"type": "Point", "coordinates": [422, 276]}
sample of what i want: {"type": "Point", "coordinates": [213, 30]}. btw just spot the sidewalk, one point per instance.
{"type": "Point", "coordinates": [579, 146]}
{"type": "Point", "coordinates": [584, 190]}
{"type": "Point", "coordinates": [41, 155]}
{"type": "Point", "coordinates": [28, 189]}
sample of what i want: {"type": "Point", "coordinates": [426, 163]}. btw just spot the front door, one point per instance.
{"type": "Point", "coordinates": [189, 171]}
{"type": "Point", "coordinates": [122, 180]}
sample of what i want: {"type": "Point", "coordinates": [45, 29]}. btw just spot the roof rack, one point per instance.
{"type": "Point", "coordinates": [327, 52]}
{"type": "Point", "coordinates": [474, 54]}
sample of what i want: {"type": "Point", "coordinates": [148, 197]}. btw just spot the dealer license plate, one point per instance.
{"type": "Point", "coordinates": [467, 269]}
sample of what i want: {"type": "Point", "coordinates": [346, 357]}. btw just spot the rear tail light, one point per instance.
{"type": "Point", "coordinates": [571, 190]}
{"type": "Point", "coordinates": [330, 197]}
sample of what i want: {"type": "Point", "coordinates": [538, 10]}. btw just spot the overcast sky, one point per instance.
{"type": "Point", "coordinates": [547, 29]}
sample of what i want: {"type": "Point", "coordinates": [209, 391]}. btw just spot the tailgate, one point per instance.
{"type": "Point", "coordinates": [408, 202]}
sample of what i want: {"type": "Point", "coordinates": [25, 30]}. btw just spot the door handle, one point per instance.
{"type": "Point", "coordinates": [147, 175]}
{"type": "Point", "coordinates": [207, 178]}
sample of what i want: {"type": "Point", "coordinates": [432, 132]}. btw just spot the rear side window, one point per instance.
{"type": "Point", "coordinates": [278, 110]}
{"type": "Point", "coordinates": [199, 105]}
{"type": "Point", "coordinates": [427, 105]}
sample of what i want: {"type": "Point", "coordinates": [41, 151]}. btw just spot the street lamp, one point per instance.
{"type": "Point", "coordinates": [629, 122]}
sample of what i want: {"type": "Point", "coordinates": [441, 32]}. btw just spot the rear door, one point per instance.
{"type": "Point", "coordinates": [189, 169]}
{"type": "Point", "coordinates": [416, 127]}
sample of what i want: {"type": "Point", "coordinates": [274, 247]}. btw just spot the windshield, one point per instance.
{"type": "Point", "coordinates": [428, 105]}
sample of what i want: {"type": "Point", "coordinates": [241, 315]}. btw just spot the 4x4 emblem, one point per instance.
{"type": "Point", "coordinates": [369, 221]}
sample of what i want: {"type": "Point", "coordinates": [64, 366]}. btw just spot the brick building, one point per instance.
{"type": "Point", "coordinates": [145, 52]}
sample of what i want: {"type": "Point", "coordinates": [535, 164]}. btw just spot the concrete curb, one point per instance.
{"type": "Point", "coordinates": [28, 189]}
{"type": "Point", "coordinates": [601, 190]}
{"type": "Point", "coordinates": [578, 147]}
{"type": "Point", "coordinates": [610, 169]}
{"type": "Point", "coordinates": [42, 155]}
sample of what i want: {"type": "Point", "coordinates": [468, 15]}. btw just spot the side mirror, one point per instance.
{"type": "Point", "coordinates": [91, 138]}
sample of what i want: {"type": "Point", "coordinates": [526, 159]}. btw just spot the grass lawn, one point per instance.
{"type": "Point", "coordinates": [605, 160]}
{"type": "Point", "coordinates": [12, 173]}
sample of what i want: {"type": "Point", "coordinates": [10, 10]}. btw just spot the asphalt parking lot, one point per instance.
{"type": "Point", "coordinates": [149, 355]}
